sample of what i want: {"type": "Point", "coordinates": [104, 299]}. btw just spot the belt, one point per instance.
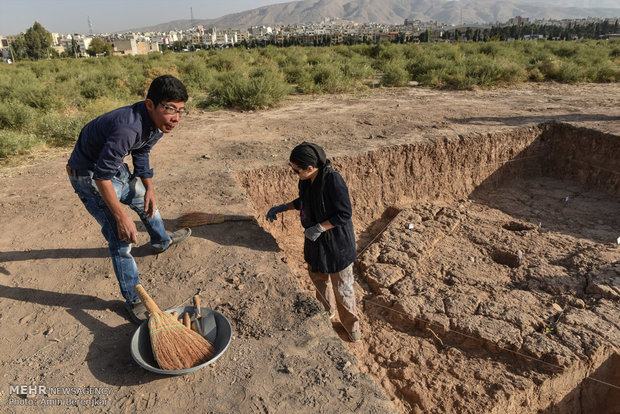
{"type": "Point", "coordinates": [77, 173]}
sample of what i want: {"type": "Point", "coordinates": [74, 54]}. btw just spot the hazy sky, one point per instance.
{"type": "Point", "coordinates": [71, 16]}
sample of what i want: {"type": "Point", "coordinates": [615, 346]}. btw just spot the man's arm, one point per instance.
{"type": "Point", "coordinates": [126, 227]}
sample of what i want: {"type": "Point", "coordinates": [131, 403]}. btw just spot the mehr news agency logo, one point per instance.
{"type": "Point", "coordinates": [43, 396]}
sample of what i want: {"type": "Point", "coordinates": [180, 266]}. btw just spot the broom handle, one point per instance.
{"type": "Point", "coordinates": [150, 305]}
{"type": "Point", "coordinates": [234, 217]}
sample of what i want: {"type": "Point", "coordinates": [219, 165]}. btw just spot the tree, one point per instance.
{"type": "Point", "coordinates": [98, 47]}
{"type": "Point", "coordinates": [18, 49]}
{"type": "Point", "coordinates": [38, 41]}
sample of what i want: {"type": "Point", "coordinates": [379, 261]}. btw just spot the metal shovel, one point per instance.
{"type": "Point", "coordinates": [205, 321]}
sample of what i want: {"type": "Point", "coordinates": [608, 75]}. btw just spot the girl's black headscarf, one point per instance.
{"type": "Point", "coordinates": [304, 155]}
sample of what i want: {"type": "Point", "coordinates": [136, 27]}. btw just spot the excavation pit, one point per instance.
{"type": "Point", "coordinates": [488, 268]}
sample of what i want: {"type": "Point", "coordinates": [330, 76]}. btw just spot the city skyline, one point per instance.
{"type": "Point", "coordinates": [106, 16]}
{"type": "Point", "coordinates": [72, 16]}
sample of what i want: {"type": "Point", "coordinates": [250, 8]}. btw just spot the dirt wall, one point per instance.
{"type": "Point", "coordinates": [399, 175]}
{"type": "Point", "coordinates": [449, 168]}
{"type": "Point", "coordinates": [584, 155]}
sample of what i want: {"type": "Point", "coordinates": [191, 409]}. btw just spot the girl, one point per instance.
{"type": "Point", "coordinates": [329, 246]}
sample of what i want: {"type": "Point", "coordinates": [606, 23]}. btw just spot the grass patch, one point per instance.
{"type": "Point", "coordinates": [48, 101]}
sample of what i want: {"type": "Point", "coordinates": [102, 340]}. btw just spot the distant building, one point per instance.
{"type": "Point", "coordinates": [132, 46]}
{"type": "Point", "coordinates": [76, 41]}
{"type": "Point", "coordinates": [5, 52]}
{"type": "Point", "coordinates": [518, 21]}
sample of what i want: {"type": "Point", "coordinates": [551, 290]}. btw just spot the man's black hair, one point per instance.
{"type": "Point", "coordinates": [167, 88]}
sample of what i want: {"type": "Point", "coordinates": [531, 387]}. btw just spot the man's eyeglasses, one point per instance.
{"type": "Point", "coordinates": [170, 110]}
{"type": "Point", "coordinates": [295, 170]}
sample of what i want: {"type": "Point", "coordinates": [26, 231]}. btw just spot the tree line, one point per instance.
{"type": "Point", "coordinates": [593, 30]}
{"type": "Point", "coordinates": [36, 43]}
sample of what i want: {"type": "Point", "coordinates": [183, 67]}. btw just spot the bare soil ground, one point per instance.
{"type": "Point", "coordinates": [452, 319]}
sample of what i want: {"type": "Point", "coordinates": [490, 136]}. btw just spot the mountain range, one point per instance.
{"type": "Point", "coordinates": [394, 12]}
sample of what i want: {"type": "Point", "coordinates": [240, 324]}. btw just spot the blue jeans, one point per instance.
{"type": "Point", "coordinates": [129, 191]}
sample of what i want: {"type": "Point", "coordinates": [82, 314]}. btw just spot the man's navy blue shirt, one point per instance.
{"type": "Point", "coordinates": [105, 141]}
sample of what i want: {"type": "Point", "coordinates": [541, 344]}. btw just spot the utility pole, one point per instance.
{"type": "Point", "coordinates": [11, 49]}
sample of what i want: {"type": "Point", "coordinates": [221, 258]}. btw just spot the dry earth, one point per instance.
{"type": "Point", "coordinates": [448, 188]}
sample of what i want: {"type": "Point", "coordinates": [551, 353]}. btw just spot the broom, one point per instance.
{"type": "Point", "coordinates": [198, 218]}
{"type": "Point", "coordinates": [174, 346]}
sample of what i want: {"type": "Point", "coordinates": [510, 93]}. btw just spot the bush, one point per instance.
{"type": "Point", "coordinates": [569, 72]}
{"type": "Point", "coordinates": [488, 72]}
{"type": "Point", "coordinates": [550, 68]}
{"type": "Point", "coordinates": [58, 130]}
{"type": "Point", "coordinates": [91, 89]}
{"type": "Point", "coordinates": [37, 96]}
{"type": "Point", "coordinates": [16, 115]}
{"type": "Point", "coordinates": [263, 88]}
{"type": "Point", "coordinates": [54, 98]}
{"type": "Point", "coordinates": [325, 78]}
{"type": "Point", "coordinates": [357, 68]}
{"type": "Point", "coordinates": [424, 65]}
{"type": "Point", "coordinates": [394, 74]}
{"type": "Point", "coordinates": [196, 74]}
{"type": "Point", "coordinates": [15, 143]}
{"type": "Point", "coordinates": [607, 73]}
{"type": "Point", "coordinates": [224, 61]}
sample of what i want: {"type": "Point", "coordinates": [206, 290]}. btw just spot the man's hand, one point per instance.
{"type": "Point", "coordinates": [150, 205]}
{"type": "Point", "coordinates": [126, 228]}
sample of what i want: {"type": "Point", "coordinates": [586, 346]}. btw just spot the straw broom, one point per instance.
{"type": "Point", "coordinates": [174, 346]}
{"type": "Point", "coordinates": [198, 218]}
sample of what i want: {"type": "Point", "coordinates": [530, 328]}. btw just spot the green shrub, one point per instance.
{"type": "Point", "coordinates": [16, 115]}
{"type": "Point", "coordinates": [325, 78]}
{"type": "Point", "coordinates": [607, 73]}
{"type": "Point", "coordinates": [357, 68]}
{"type": "Point", "coordinates": [15, 143]}
{"type": "Point", "coordinates": [295, 74]}
{"type": "Point", "coordinates": [569, 72]}
{"type": "Point", "coordinates": [550, 68]}
{"type": "Point", "coordinates": [224, 61]}
{"type": "Point", "coordinates": [91, 89]}
{"type": "Point", "coordinates": [490, 48]}
{"type": "Point", "coordinates": [42, 99]}
{"type": "Point", "coordinates": [316, 57]}
{"type": "Point", "coordinates": [394, 74]}
{"type": "Point", "coordinates": [263, 88]}
{"type": "Point", "coordinates": [57, 130]}
{"type": "Point", "coordinates": [487, 72]}
{"type": "Point", "coordinates": [295, 57]}
{"type": "Point", "coordinates": [385, 52]}
{"type": "Point", "coordinates": [267, 87]}
{"type": "Point", "coordinates": [424, 65]}
{"type": "Point", "coordinates": [536, 75]}
{"type": "Point", "coordinates": [54, 98]}
{"type": "Point", "coordinates": [196, 74]}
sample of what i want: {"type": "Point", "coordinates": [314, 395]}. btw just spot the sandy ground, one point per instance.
{"type": "Point", "coordinates": [61, 311]}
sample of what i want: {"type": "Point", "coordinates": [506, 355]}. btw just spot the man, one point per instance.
{"type": "Point", "coordinates": [103, 181]}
